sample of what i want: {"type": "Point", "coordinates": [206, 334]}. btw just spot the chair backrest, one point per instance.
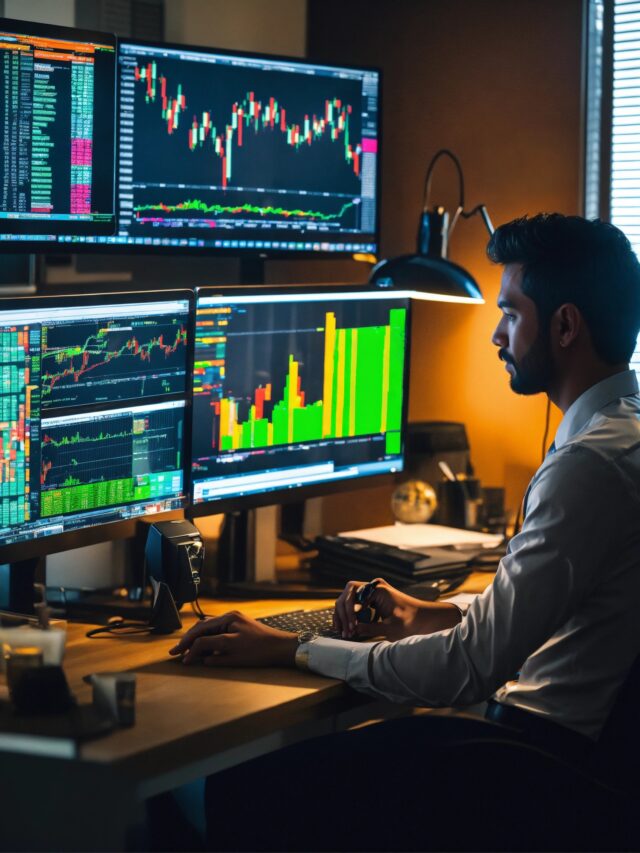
{"type": "Point", "coordinates": [617, 755]}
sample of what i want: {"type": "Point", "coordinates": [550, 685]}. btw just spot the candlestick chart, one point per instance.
{"type": "Point", "coordinates": [246, 116]}
{"type": "Point", "coordinates": [108, 458]}
{"type": "Point", "coordinates": [109, 360]}
{"type": "Point", "coordinates": [215, 145]}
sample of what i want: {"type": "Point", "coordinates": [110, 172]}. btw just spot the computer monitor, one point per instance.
{"type": "Point", "coordinates": [57, 141]}
{"type": "Point", "coordinates": [244, 154]}
{"type": "Point", "coordinates": [94, 404]}
{"type": "Point", "coordinates": [295, 393]}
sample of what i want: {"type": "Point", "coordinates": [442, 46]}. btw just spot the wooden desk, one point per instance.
{"type": "Point", "coordinates": [190, 722]}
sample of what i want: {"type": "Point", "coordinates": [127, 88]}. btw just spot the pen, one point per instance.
{"type": "Point", "coordinates": [446, 470]}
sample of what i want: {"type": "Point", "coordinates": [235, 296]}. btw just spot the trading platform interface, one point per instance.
{"type": "Point", "coordinates": [236, 152]}
{"type": "Point", "coordinates": [57, 148]}
{"type": "Point", "coordinates": [296, 390]}
{"type": "Point", "coordinates": [93, 410]}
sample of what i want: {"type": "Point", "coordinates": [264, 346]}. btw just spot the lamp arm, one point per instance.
{"type": "Point", "coordinates": [443, 152]}
{"type": "Point", "coordinates": [460, 211]}
{"type": "Point", "coordinates": [482, 210]}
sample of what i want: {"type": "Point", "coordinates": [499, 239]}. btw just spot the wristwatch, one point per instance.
{"type": "Point", "coordinates": [302, 652]}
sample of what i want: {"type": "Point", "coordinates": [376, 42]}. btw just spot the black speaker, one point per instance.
{"type": "Point", "coordinates": [174, 554]}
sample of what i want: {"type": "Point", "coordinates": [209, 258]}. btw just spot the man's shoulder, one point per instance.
{"type": "Point", "coordinates": [604, 459]}
{"type": "Point", "coordinates": [611, 434]}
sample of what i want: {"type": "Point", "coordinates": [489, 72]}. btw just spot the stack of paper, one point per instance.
{"type": "Point", "coordinates": [418, 536]}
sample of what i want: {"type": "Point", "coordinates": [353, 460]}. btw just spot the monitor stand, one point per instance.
{"type": "Point", "coordinates": [246, 559]}
{"type": "Point", "coordinates": [16, 584]}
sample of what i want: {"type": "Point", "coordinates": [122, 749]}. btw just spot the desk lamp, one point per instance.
{"type": "Point", "coordinates": [428, 274]}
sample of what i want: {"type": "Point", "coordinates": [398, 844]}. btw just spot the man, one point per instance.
{"type": "Point", "coordinates": [555, 635]}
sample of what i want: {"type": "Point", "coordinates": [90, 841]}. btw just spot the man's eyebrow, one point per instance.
{"type": "Point", "coordinates": [504, 303]}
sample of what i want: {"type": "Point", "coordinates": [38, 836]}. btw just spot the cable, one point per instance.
{"type": "Point", "coordinates": [460, 211]}
{"type": "Point", "coordinates": [546, 431]}
{"type": "Point", "coordinates": [197, 609]}
{"type": "Point", "coordinates": [443, 152]}
{"type": "Point", "coordinates": [119, 627]}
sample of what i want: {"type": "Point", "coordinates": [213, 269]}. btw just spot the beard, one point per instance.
{"type": "Point", "coordinates": [534, 372]}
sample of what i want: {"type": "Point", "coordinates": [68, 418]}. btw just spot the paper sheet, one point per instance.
{"type": "Point", "coordinates": [410, 536]}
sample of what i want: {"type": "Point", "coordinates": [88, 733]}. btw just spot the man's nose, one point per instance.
{"type": "Point", "coordinates": [499, 337]}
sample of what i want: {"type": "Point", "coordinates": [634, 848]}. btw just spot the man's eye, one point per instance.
{"type": "Point", "coordinates": [510, 317]}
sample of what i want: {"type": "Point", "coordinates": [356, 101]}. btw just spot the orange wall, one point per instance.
{"type": "Point", "coordinates": [498, 82]}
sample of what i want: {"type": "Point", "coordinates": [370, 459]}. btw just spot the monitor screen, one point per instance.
{"type": "Point", "coordinates": [296, 389]}
{"type": "Point", "coordinates": [244, 153]}
{"type": "Point", "coordinates": [57, 129]}
{"type": "Point", "coordinates": [93, 410]}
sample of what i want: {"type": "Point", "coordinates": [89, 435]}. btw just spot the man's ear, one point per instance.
{"type": "Point", "coordinates": [566, 324]}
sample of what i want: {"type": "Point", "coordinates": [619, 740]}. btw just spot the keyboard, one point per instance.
{"type": "Point", "coordinates": [295, 621]}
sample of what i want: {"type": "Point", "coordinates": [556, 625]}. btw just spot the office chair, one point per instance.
{"type": "Point", "coordinates": [593, 807]}
{"type": "Point", "coordinates": [616, 759]}
{"type": "Point", "coordinates": [384, 790]}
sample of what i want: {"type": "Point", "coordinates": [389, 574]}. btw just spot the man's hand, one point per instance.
{"type": "Point", "coordinates": [236, 640]}
{"type": "Point", "coordinates": [401, 615]}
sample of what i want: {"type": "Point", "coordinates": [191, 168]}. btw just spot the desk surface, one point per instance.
{"type": "Point", "coordinates": [190, 721]}
{"type": "Point", "coordinates": [180, 709]}
{"type": "Point", "coordinates": [196, 709]}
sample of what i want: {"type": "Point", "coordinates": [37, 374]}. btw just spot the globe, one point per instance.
{"type": "Point", "coordinates": [414, 502]}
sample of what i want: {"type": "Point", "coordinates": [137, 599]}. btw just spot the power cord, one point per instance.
{"type": "Point", "coordinates": [546, 431]}
{"type": "Point", "coordinates": [197, 609]}
{"type": "Point", "coordinates": [118, 627]}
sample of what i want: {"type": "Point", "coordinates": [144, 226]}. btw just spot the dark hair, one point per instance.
{"type": "Point", "coordinates": [588, 263]}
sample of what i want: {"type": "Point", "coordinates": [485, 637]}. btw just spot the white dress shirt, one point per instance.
{"type": "Point", "coordinates": [562, 609]}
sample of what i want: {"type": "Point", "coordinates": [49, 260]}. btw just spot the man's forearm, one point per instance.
{"type": "Point", "coordinates": [437, 616]}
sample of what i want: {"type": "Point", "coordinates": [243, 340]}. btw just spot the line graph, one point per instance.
{"type": "Point", "coordinates": [250, 115]}
{"type": "Point", "coordinates": [198, 206]}
{"type": "Point", "coordinates": [106, 361]}
{"type": "Point", "coordinates": [105, 459]}
{"type": "Point", "coordinates": [86, 454]}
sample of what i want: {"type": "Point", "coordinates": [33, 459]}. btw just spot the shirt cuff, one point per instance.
{"type": "Point", "coordinates": [342, 659]}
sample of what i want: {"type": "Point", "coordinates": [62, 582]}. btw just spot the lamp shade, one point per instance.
{"type": "Point", "coordinates": [430, 278]}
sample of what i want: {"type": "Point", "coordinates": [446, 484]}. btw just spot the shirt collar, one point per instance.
{"type": "Point", "coordinates": [581, 411]}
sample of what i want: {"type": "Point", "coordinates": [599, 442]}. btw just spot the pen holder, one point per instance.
{"type": "Point", "coordinates": [50, 643]}
{"type": "Point", "coordinates": [460, 503]}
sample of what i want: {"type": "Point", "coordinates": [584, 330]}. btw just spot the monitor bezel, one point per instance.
{"type": "Point", "coordinates": [72, 227]}
{"type": "Point", "coordinates": [58, 247]}
{"type": "Point", "coordinates": [300, 493]}
{"type": "Point", "coordinates": [119, 528]}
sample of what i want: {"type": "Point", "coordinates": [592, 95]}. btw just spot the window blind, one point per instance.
{"type": "Point", "coordinates": [625, 128]}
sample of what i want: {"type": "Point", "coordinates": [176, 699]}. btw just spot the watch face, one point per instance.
{"type": "Point", "coordinates": [306, 636]}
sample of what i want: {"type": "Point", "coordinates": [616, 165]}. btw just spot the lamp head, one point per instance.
{"type": "Point", "coordinates": [429, 274]}
{"type": "Point", "coordinates": [431, 279]}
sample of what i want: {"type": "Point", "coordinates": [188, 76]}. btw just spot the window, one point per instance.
{"type": "Point", "coordinates": [612, 121]}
